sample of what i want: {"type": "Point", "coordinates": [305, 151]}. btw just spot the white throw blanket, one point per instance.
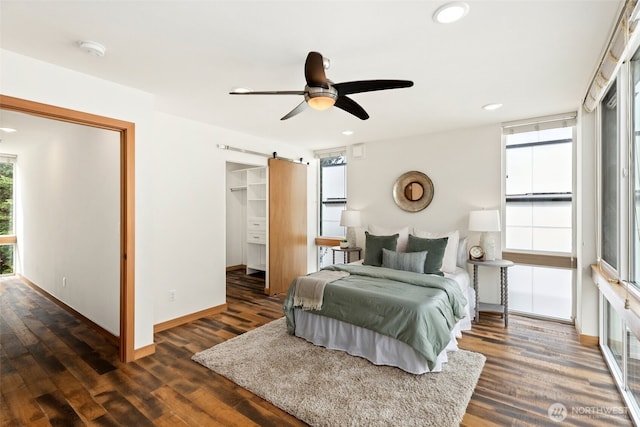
{"type": "Point", "coordinates": [309, 290]}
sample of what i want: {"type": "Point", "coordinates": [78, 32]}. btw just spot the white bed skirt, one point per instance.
{"type": "Point", "coordinates": [377, 348]}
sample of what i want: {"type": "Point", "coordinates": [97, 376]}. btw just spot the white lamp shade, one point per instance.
{"type": "Point", "coordinates": [484, 220]}
{"type": "Point", "coordinates": [350, 219]}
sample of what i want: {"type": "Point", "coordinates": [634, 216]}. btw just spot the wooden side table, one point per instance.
{"type": "Point", "coordinates": [503, 307]}
{"type": "Point", "coordinates": [346, 253]}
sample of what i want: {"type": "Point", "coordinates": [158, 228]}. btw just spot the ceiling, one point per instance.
{"type": "Point", "coordinates": [535, 57]}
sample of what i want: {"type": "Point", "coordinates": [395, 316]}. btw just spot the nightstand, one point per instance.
{"type": "Point", "coordinates": [503, 307]}
{"type": "Point", "coordinates": [346, 253]}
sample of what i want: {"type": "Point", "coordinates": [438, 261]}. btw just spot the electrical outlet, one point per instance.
{"type": "Point", "coordinates": [64, 282]}
{"type": "Point", "coordinates": [172, 295]}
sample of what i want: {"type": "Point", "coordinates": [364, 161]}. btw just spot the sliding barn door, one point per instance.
{"type": "Point", "coordinates": [287, 224]}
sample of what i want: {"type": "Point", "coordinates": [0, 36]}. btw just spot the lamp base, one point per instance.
{"type": "Point", "coordinates": [351, 237]}
{"type": "Point", "coordinates": [488, 244]}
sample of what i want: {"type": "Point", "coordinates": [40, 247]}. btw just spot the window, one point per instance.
{"type": "Point", "coordinates": [614, 335]}
{"type": "Point", "coordinates": [538, 201]}
{"type": "Point", "coordinates": [618, 221]}
{"type": "Point", "coordinates": [333, 194]}
{"type": "Point", "coordinates": [7, 233]}
{"type": "Point", "coordinates": [333, 199]}
{"type": "Point", "coordinates": [538, 218]}
{"type": "Point", "coordinates": [634, 205]}
{"type": "Point", "coordinates": [609, 178]}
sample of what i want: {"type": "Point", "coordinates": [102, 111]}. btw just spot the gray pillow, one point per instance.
{"type": "Point", "coordinates": [435, 247]}
{"type": "Point", "coordinates": [407, 261]}
{"type": "Point", "coordinates": [374, 246]}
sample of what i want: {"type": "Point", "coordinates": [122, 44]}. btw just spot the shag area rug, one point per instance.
{"type": "Point", "coordinates": [331, 388]}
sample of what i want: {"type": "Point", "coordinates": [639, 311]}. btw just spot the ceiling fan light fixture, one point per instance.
{"type": "Point", "coordinates": [451, 12]}
{"type": "Point", "coordinates": [320, 98]}
{"type": "Point", "coordinates": [321, 102]}
{"type": "Point", "coordinates": [320, 93]}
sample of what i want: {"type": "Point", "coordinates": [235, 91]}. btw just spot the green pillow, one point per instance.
{"type": "Point", "coordinates": [435, 249]}
{"type": "Point", "coordinates": [374, 246]}
{"type": "Point", "coordinates": [407, 261]}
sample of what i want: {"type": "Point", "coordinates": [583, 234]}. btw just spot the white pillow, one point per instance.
{"type": "Point", "coordinates": [463, 253]}
{"type": "Point", "coordinates": [403, 235]}
{"type": "Point", "coordinates": [450, 252]}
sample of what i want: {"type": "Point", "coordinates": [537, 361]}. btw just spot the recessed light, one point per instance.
{"type": "Point", "coordinates": [92, 48]}
{"type": "Point", "coordinates": [347, 132]}
{"type": "Point", "coordinates": [491, 107]}
{"type": "Point", "coordinates": [239, 89]}
{"type": "Point", "coordinates": [7, 130]}
{"type": "Point", "coordinates": [451, 12]}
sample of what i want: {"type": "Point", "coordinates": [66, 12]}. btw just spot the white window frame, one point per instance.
{"type": "Point", "coordinates": [623, 184]}
{"type": "Point", "coordinates": [537, 258]}
{"type": "Point", "coordinates": [548, 122]}
{"type": "Point", "coordinates": [322, 154]}
{"type": "Point", "coordinates": [10, 239]}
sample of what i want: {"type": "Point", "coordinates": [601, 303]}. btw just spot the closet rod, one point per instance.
{"type": "Point", "coordinates": [273, 155]}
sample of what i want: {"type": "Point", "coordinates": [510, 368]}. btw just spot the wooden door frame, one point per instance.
{"type": "Point", "coordinates": [127, 200]}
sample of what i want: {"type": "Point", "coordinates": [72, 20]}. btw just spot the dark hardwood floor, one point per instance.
{"type": "Point", "coordinates": [54, 370]}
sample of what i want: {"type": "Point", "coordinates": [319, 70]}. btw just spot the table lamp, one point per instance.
{"type": "Point", "coordinates": [350, 219]}
{"type": "Point", "coordinates": [487, 222]}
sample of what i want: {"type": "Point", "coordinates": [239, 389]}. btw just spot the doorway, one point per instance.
{"type": "Point", "coordinates": [126, 131]}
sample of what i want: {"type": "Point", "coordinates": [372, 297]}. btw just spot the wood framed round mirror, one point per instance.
{"type": "Point", "coordinates": [413, 191]}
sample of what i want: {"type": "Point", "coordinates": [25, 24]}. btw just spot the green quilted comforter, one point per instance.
{"type": "Point", "coordinates": [417, 309]}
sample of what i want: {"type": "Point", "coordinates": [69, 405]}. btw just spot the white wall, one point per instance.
{"type": "Point", "coordinates": [465, 167]}
{"type": "Point", "coordinates": [586, 290]}
{"type": "Point", "coordinates": [66, 232]}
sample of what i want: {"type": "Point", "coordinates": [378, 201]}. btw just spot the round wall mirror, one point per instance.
{"type": "Point", "coordinates": [413, 191]}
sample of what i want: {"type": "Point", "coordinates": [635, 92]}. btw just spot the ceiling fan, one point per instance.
{"type": "Point", "coordinates": [321, 93]}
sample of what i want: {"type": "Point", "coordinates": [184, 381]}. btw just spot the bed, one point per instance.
{"type": "Point", "coordinates": [389, 316]}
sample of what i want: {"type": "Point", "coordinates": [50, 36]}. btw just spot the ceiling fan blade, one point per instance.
{"type": "Point", "coordinates": [314, 71]}
{"type": "Point", "coordinates": [270, 92]}
{"type": "Point", "coordinates": [299, 109]}
{"type": "Point", "coordinates": [347, 88]}
{"type": "Point", "coordinates": [350, 106]}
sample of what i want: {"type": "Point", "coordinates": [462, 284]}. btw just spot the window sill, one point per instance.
{"type": "Point", "coordinates": [617, 294]}
{"type": "Point", "coordinates": [541, 259]}
{"type": "Point", "coordinates": [8, 240]}
{"type": "Point", "coordinates": [328, 241]}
